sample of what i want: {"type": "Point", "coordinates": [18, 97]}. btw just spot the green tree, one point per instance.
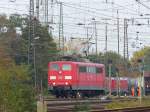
{"type": "Point", "coordinates": [16, 93]}
{"type": "Point", "coordinates": [17, 45]}
{"type": "Point", "coordinates": [44, 47]}
{"type": "Point", "coordinates": [144, 55]}
{"type": "Point", "coordinates": [118, 62]}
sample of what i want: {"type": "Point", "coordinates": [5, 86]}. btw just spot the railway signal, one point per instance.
{"type": "Point", "coordinates": [110, 64]}
{"type": "Point", "coordinates": [141, 69]}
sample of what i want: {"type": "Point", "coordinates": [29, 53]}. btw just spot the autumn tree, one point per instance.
{"type": "Point", "coordinates": [16, 90]}
{"type": "Point", "coordinates": [143, 55]}
{"type": "Point", "coordinates": [44, 48]}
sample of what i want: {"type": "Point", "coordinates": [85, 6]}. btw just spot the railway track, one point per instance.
{"type": "Point", "coordinates": [137, 109]}
{"type": "Point", "coordinates": [74, 105]}
{"type": "Point", "coordinates": [70, 105]}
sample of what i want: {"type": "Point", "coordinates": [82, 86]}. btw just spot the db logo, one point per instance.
{"type": "Point", "coordinates": [60, 77]}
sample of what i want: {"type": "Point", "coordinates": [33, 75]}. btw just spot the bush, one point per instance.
{"type": "Point", "coordinates": [79, 107]}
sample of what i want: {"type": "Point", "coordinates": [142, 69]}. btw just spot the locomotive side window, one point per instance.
{"type": "Point", "coordinates": [91, 70]}
{"type": "Point", "coordinates": [82, 69]}
{"type": "Point", "coordinates": [66, 67]}
{"type": "Point", "coordinates": [54, 67]}
{"type": "Point", "coordinates": [99, 70]}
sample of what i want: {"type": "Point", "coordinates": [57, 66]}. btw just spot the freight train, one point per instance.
{"type": "Point", "coordinates": [79, 79]}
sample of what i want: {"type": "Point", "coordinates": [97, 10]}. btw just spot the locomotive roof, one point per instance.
{"type": "Point", "coordinates": [80, 63]}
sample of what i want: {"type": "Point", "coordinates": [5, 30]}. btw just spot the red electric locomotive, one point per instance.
{"type": "Point", "coordinates": [76, 78]}
{"type": "Point", "coordinates": [121, 84]}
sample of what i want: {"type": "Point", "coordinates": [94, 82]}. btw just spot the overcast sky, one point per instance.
{"type": "Point", "coordinates": [82, 11]}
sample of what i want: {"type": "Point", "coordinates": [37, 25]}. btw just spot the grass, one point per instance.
{"type": "Point", "coordinates": [129, 104]}
{"type": "Point", "coordinates": [82, 107]}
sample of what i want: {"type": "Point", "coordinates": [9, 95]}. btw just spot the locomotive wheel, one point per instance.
{"type": "Point", "coordinates": [57, 95]}
{"type": "Point", "coordinates": [65, 94]}
{"type": "Point", "coordinates": [79, 95]}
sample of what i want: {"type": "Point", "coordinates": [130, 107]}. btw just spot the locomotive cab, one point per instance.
{"type": "Point", "coordinates": [60, 77]}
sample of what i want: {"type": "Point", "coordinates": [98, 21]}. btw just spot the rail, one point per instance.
{"type": "Point", "coordinates": [136, 109]}
{"type": "Point", "coordinates": [68, 105]}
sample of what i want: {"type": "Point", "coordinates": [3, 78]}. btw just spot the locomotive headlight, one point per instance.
{"type": "Point", "coordinates": [66, 83]}
{"type": "Point", "coordinates": [68, 77]}
{"type": "Point", "coordinates": [54, 83]}
{"type": "Point", "coordinates": [52, 77]}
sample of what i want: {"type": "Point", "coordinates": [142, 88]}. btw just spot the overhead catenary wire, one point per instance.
{"type": "Point", "coordinates": [99, 14]}
{"type": "Point", "coordinates": [101, 10]}
{"type": "Point", "coordinates": [142, 4]}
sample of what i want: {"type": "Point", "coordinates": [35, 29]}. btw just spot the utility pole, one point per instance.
{"type": "Point", "coordinates": [126, 54]}
{"type": "Point", "coordinates": [141, 70]}
{"type": "Point", "coordinates": [106, 36]}
{"type": "Point", "coordinates": [106, 33]}
{"type": "Point", "coordinates": [143, 75]}
{"type": "Point", "coordinates": [117, 74]}
{"type": "Point", "coordinates": [37, 9]}
{"type": "Point", "coordinates": [109, 65]}
{"type": "Point", "coordinates": [124, 38]}
{"type": "Point", "coordinates": [61, 35]}
{"type": "Point", "coordinates": [46, 13]}
{"type": "Point", "coordinates": [95, 29]}
{"type": "Point", "coordinates": [52, 11]}
{"type": "Point", "coordinates": [87, 32]}
{"type": "Point", "coordinates": [31, 28]}
{"type": "Point", "coordinates": [31, 39]}
{"type": "Point", "coordinates": [36, 18]}
{"type": "Point", "coordinates": [34, 64]}
{"type": "Point", "coordinates": [118, 77]}
{"type": "Point", "coordinates": [137, 39]}
{"type": "Point", "coordinates": [87, 35]}
{"type": "Point", "coordinates": [127, 45]}
{"type": "Point", "coordinates": [106, 40]}
{"type": "Point", "coordinates": [96, 38]}
{"type": "Point", "coordinates": [106, 55]}
{"type": "Point", "coordinates": [51, 18]}
{"type": "Point", "coordinates": [118, 31]}
{"type": "Point", "coordinates": [110, 79]}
